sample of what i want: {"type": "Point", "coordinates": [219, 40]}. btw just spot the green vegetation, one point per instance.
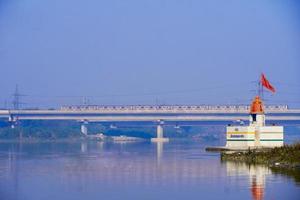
{"type": "Point", "coordinates": [40, 129]}
{"type": "Point", "coordinates": [287, 156]}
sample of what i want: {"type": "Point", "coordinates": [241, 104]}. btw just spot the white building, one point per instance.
{"type": "Point", "coordinates": [257, 134]}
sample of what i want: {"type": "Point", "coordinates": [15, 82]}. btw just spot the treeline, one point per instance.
{"type": "Point", "coordinates": [71, 129]}
{"type": "Point", "coordinates": [40, 129]}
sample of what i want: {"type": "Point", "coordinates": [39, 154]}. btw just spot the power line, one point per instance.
{"type": "Point", "coordinates": [183, 91]}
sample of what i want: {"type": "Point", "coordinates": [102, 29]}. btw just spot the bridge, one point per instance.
{"type": "Point", "coordinates": [160, 115]}
{"type": "Point", "coordinates": [148, 113]}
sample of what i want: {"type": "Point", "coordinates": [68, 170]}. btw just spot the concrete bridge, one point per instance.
{"type": "Point", "coordinates": [160, 115]}
{"type": "Point", "coordinates": [143, 113]}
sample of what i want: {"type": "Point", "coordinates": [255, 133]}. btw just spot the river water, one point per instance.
{"type": "Point", "coordinates": [95, 170]}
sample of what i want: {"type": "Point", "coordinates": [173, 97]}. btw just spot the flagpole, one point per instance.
{"type": "Point", "coordinates": [262, 92]}
{"type": "Point", "coordinates": [258, 87]}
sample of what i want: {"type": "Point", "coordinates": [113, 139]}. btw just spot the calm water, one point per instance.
{"type": "Point", "coordinates": [96, 170]}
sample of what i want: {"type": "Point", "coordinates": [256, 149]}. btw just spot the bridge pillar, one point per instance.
{"type": "Point", "coordinates": [160, 133]}
{"type": "Point", "coordinates": [83, 128]}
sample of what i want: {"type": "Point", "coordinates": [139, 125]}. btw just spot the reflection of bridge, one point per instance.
{"type": "Point", "coordinates": [73, 166]}
{"type": "Point", "coordinates": [161, 114]}
{"type": "Point", "coordinates": [116, 163]}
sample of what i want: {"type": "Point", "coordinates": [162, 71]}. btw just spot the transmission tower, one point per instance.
{"type": "Point", "coordinates": [85, 101]}
{"type": "Point", "coordinates": [16, 99]}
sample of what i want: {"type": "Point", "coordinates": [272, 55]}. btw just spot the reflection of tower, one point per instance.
{"type": "Point", "coordinates": [257, 176]}
{"type": "Point", "coordinates": [257, 190]}
{"type": "Point", "coordinates": [257, 180]}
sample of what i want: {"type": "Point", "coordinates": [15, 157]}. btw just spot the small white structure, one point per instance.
{"type": "Point", "coordinates": [83, 128]}
{"type": "Point", "coordinates": [257, 134]}
{"type": "Point", "coordinates": [160, 133]}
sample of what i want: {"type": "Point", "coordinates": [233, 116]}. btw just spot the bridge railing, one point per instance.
{"type": "Point", "coordinates": [169, 108]}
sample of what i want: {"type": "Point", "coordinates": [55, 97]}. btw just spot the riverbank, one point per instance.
{"type": "Point", "coordinates": [286, 157]}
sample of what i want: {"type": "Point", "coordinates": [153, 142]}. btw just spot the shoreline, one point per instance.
{"type": "Point", "coordinates": [286, 157]}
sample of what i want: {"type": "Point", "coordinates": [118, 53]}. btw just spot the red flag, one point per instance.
{"type": "Point", "coordinates": [266, 83]}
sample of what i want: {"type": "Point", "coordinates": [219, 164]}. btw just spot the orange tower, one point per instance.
{"type": "Point", "coordinates": [257, 106]}
{"type": "Point", "coordinates": [257, 113]}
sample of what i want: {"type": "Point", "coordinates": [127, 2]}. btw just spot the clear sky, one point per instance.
{"type": "Point", "coordinates": [148, 51]}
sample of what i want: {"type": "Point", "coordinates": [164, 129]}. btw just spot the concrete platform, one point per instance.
{"type": "Point", "coordinates": [160, 140]}
{"type": "Point", "coordinates": [224, 148]}
{"type": "Point", "coordinates": [217, 149]}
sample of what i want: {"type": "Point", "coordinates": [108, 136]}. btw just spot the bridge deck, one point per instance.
{"type": "Point", "coordinates": [134, 115]}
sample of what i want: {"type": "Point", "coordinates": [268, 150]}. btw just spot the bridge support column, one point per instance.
{"type": "Point", "coordinates": [83, 128]}
{"type": "Point", "coordinates": [160, 133]}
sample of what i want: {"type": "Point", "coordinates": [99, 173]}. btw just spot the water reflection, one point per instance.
{"type": "Point", "coordinates": [83, 146]}
{"type": "Point", "coordinates": [89, 170]}
{"type": "Point", "coordinates": [159, 151]}
{"type": "Point", "coordinates": [257, 189]}
{"type": "Point", "coordinates": [113, 162]}
{"type": "Point", "coordinates": [257, 176]}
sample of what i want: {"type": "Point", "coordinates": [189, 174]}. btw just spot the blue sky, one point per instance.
{"type": "Point", "coordinates": [148, 52]}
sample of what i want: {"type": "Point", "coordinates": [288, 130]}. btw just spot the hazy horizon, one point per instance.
{"type": "Point", "coordinates": [148, 52]}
